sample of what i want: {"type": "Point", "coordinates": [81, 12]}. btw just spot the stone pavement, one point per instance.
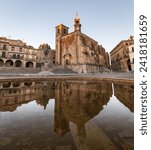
{"type": "Point", "coordinates": [111, 76]}
{"type": "Point", "coordinates": [125, 75]}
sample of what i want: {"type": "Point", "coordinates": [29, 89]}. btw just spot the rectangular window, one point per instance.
{"type": "Point", "coordinates": [10, 91]}
{"type": "Point", "coordinates": [20, 49]}
{"type": "Point", "coordinates": [14, 56]}
{"type": "Point", "coordinates": [3, 54]}
{"type": "Point", "coordinates": [4, 47]}
{"type": "Point", "coordinates": [58, 31]}
{"type": "Point", "coordinates": [18, 56]}
{"type": "Point", "coordinates": [11, 56]}
{"type": "Point", "coordinates": [132, 49]}
{"type": "Point", "coordinates": [12, 48]}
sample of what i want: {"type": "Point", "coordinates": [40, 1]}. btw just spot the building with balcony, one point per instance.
{"type": "Point", "coordinates": [122, 56]}
{"type": "Point", "coordinates": [15, 53]}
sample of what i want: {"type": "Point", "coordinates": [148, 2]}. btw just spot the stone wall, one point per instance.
{"type": "Point", "coordinates": [82, 68]}
{"type": "Point", "coordinates": [122, 57]}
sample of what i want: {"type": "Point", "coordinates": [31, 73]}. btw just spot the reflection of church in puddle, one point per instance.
{"type": "Point", "coordinates": [79, 103]}
{"type": "Point", "coordinates": [70, 97]}
{"type": "Point", "coordinates": [75, 102]}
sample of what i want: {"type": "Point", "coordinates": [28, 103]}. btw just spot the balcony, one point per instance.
{"type": "Point", "coordinates": [3, 49]}
{"type": "Point", "coordinates": [12, 57]}
{"type": "Point", "coordinates": [3, 57]}
{"type": "Point", "coordinates": [30, 59]}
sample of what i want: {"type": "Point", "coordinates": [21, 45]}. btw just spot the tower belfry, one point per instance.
{"type": "Point", "coordinates": [77, 25]}
{"type": "Point", "coordinates": [61, 30]}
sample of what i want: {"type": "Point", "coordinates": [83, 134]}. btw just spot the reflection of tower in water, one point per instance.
{"type": "Point", "coordinates": [79, 103]}
{"type": "Point", "coordinates": [61, 124]}
{"type": "Point", "coordinates": [75, 103]}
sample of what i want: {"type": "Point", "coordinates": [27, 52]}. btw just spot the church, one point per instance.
{"type": "Point", "coordinates": [78, 51]}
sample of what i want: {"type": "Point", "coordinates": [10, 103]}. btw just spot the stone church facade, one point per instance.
{"type": "Point", "coordinates": [78, 51]}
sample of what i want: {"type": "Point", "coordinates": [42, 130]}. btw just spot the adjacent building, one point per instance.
{"type": "Point", "coordinates": [78, 51]}
{"type": "Point", "coordinates": [15, 53]}
{"type": "Point", "coordinates": [122, 56]}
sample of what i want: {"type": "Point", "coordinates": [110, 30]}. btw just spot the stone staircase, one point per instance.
{"type": "Point", "coordinates": [62, 70]}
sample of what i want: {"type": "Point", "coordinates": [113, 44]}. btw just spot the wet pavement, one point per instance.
{"type": "Point", "coordinates": [66, 115]}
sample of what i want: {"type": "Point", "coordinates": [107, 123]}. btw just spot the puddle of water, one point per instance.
{"type": "Point", "coordinates": [66, 115]}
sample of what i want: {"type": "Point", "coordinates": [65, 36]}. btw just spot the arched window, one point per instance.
{"type": "Point", "coordinates": [67, 62]}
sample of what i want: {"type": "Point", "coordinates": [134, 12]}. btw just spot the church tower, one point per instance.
{"type": "Point", "coordinates": [77, 30]}
{"type": "Point", "coordinates": [77, 25]}
{"type": "Point", "coordinates": [61, 31]}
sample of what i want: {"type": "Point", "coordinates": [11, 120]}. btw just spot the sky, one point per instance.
{"type": "Point", "coordinates": [34, 21]}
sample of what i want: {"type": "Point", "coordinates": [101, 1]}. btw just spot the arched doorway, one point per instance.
{"type": "Point", "coordinates": [9, 63]}
{"type": "Point", "coordinates": [129, 65]}
{"type": "Point", "coordinates": [67, 58]}
{"type": "Point", "coordinates": [1, 63]}
{"type": "Point", "coordinates": [53, 62]}
{"type": "Point", "coordinates": [18, 63]}
{"type": "Point", "coordinates": [29, 64]}
{"type": "Point", "coordinates": [67, 62]}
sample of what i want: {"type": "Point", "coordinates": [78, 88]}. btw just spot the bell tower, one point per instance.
{"type": "Point", "coordinates": [61, 31]}
{"type": "Point", "coordinates": [77, 25]}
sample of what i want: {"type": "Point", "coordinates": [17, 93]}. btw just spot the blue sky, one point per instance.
{"type": "Point", "coordinates": [34, 21]}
